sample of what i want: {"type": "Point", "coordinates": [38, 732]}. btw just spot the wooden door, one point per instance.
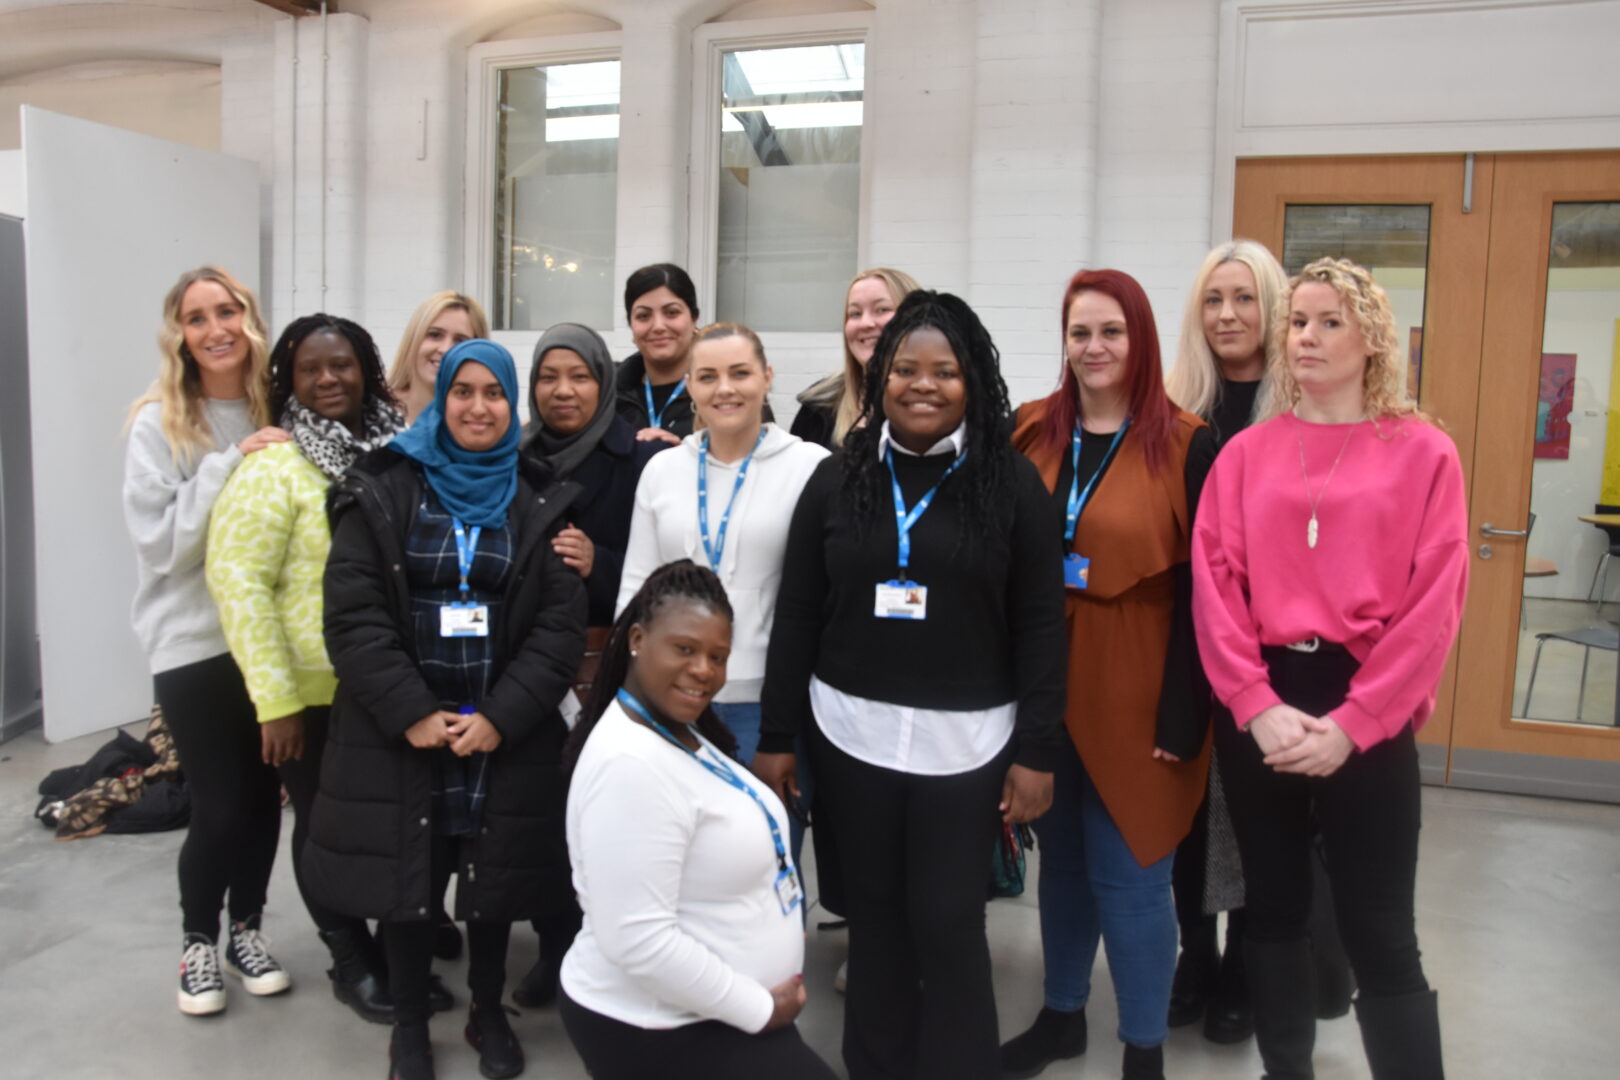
{"type": "Point", "coordinates": [1371, 209]}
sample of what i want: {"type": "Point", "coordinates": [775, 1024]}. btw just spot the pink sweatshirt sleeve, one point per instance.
{"type": "Point", "coordinates": [1397, 678]}
{"type": "Point", "coordinates": [1228, 642]}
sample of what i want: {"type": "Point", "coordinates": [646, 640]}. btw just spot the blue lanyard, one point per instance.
{"type": "Point", "coordinates": [903, 521]}
{"type": "Point", "coordinates": [718, 548]}
{"type": "Point", "coordinates": [656, 419]}
{"type": "Point", "coordinates": [466, 549]}
{"type": "Point", "coordinates": [1078, 498]}
{"type": "Point", "coordinates": [724, 772]}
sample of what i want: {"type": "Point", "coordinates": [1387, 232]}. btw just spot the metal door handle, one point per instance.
{"type": "Point", "coordinates": [1487, 530]}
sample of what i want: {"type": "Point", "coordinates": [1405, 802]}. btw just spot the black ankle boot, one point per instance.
{"type": "Point", "coordinates": [1280, 992]}
{"type": "Point", "coordinates": [410, 1054]}
{"type": "Point", "coordinates": [355, 981]}
{"type": "Point", "coordinates": [1228, 1019]}
{"type": "Point", "coordinates": [1197, 970]}
{"type": "Point", "coordinates": [440, 999]}
{"type": "Point", "coordinates": [446, 938]}
{"type": "Point", "coordinates": [1144, 1062]}
{"type": "Point", "coordinates": [539, 987]}
{"type": "Point", "coordinates": [1402, 1036]}
{"type": "Point", "coordinates": [1053, 1036]}
{"type": "Point", "coordinates": [499, 1053]}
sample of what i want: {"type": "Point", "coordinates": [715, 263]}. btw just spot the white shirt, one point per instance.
{"type": "Point", "coordinates": [664, 527]}
{"type": "Point", "coordinates": [676, 872]}
{"type": "Point", "coordinates": [925, 742]}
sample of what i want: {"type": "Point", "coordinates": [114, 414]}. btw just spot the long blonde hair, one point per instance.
{"type": "Point", "coordinates": [1194, 383]}
{"type": "Point", "coordinates": [841, 391]}
{"type": "Point", "coordinates": [403, 368]}
{"type": "Point", "coordinates": [178, 387]}
{"type": "Point", "coordinates": [1365, 304]}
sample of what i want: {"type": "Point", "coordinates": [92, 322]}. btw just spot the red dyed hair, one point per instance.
{"type": "Point", "coordinates": [1151, 411]}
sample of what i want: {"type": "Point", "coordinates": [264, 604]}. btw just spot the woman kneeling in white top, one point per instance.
{"type": "Point", "coordinates": [688, 963]}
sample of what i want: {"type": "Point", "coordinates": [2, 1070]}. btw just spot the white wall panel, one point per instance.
{"type": "Point", "coordinates": [104, 245]}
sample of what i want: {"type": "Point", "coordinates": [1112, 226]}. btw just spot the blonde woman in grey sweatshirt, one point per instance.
{"type": "Point", "coordinates": [206, 411]}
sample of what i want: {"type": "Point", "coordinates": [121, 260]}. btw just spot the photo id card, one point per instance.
{"type": "Point", "coordinates": [788, 893]}
{"type": "Point", "coordinates": [901, 600]}
{"type": "Point", "coordinates": [464, 620]}
{"type": "Point", "coordinates": [1076, 571]}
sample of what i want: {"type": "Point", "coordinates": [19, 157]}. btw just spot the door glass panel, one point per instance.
{"type": "Point", "coordinates": [1390, 241]}
{"type": "Point", "coordinates": [1570, 627]}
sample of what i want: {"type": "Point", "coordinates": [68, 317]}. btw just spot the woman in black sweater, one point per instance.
{"type": "Point", "coordinates": [925, 663]}
{"type": "Point", "coordinates": [455, 630]}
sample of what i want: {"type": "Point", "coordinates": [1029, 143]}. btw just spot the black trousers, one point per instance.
{"type": "Point", "coordinates": [230, 846]}
{"type": "Point", "coordinates": [711, 1050]}
{"type": "Point", "coordinates": [915, 852]}
{"type": "Point", "coordinates": [409, 948]}
{"type": "Point", "coordinates": [301, 777]}
{"type": "Point", "coordinates": [1369, 813]}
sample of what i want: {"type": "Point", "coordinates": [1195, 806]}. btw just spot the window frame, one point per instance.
{"type": "Point", "coordinates": [485, 62]}
{"type": "Point", "coordinates": [709, 44]}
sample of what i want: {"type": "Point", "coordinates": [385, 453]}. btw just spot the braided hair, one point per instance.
{"type": "Point", "coordinates": [985, 478]}
{"type": "Point", "coordinates": [281, 358]}
{"type": "Point", "coordinates": [679, 580]}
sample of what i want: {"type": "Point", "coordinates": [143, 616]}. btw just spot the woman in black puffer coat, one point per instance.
{"type": "Point", "coordinates": [444, 747]}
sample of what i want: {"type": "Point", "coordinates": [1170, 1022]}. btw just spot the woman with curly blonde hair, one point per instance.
{"type": "Point", "coordinates": [208, 409]}
{"type": "Point", "coordinates": [440, 323]}
{"type": "Point", "coordinates": [1330, 564]}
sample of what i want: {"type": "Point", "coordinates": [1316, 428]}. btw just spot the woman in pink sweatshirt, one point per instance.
{"type": "Point", "coordinates": [1330, 564]}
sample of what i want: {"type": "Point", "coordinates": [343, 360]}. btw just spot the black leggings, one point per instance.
{"type": "Point", "coordinates": [916, 859]}
{"type": "Point", "coordinates": [409, 947]}
{"type": "Point", "coordinates": [1369, 813]}
{"type": "Point", "coordinates": [710, 1050]}
{"type": "Point", "coordinates": [230, 846]}
{"type": "Point", "coordinates": [302, 778]}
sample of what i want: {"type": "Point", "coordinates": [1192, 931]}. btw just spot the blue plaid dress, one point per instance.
{"type": "Point", "coordinates": [457, 669]}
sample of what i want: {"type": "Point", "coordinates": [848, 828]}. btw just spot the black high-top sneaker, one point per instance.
{"type": "Point", "coordinates": [247, 956]}
{"type": "Point", "coordinates": [202, 988]}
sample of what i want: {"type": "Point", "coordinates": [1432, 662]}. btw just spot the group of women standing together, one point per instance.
{"type": "Point", "coordinates": [604, 667]}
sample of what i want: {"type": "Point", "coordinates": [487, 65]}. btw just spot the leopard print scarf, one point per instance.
{"type": "Point", "coordinates": [331, 446]}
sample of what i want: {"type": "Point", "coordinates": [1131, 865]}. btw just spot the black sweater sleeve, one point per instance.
{"type": "Point", "coordinates": [1035, 598]}
{"type": "Point", "coordinates": [1184, 699]}
{"type": "Point", "coordinates": [790, 658]}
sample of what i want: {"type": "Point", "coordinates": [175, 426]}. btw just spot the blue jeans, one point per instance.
{"type": "Point", "coordinates": [743, 718]}
{"type": "Point", "coordinates": [1091, 886]}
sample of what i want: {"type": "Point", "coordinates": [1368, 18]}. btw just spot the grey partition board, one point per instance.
{"type": "Point", "coordinates": [113, 219]}
{"type": "Point", "coordinates": [19, 660]}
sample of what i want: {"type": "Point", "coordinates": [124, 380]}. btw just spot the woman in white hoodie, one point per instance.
{"type": "Point", "coordinates": [724, 499]}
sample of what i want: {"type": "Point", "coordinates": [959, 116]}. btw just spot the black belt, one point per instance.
{"type": "Point", "coordinates": [1307, 647]}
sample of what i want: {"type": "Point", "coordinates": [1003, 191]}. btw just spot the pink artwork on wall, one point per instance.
{"type": "Point", "coordinates": [1553, 404]}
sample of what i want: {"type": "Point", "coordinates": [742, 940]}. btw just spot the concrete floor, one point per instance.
{"type": "Point", "coordinates": [1519, 914]}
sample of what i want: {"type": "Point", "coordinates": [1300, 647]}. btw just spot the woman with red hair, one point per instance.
{"type": "Point", "coordinates": [1125, 468]}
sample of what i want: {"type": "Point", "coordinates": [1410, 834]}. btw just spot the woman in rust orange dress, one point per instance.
{"type": "Point", "coordinates": [1125, 467]}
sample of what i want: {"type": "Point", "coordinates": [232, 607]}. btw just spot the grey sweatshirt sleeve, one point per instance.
{"type": "Point", "coordinates": [165, 509]}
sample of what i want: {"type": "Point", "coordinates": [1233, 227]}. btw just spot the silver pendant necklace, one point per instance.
{"type": "Point", "coordinates": [1312, 529]}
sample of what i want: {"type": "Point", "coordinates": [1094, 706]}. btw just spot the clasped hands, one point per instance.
{"type": "Point", "coordinates": [463, 733]}
{"type": "Point", "coordinates": [1297, 742]}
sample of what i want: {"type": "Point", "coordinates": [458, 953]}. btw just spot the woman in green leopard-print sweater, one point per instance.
{"type": "Point", "coordinates": [268, 539]}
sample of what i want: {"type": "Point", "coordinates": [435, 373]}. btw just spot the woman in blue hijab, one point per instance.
{"type": "Point", "coordinates": [454, 629]}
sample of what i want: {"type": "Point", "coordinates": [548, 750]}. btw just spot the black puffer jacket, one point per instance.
{"type": "Point", "coordinates": [370, 832]}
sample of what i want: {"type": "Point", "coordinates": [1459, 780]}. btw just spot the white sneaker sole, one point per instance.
{"type": "Point", "coordinates": [204, 1004]}
{"type": "Point", "coordinates": [273, 982]}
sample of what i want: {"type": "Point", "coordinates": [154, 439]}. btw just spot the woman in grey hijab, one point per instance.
{"type": "Point", "coordinates": [574, 433]}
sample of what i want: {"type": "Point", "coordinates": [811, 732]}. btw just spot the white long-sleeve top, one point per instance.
{"type": "Point", "coordinates": [166, 507]}
{"type": "Point", "coordinates": [664, 527]}
{"type": "Point", "coordinates": [676, 872]}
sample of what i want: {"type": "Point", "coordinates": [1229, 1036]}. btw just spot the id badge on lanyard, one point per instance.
{"type": "Point", "coordinates": [901, 597]}
{"type": "Point", "coordinates": [464, 618]}
{"type": "Point", "coordinates": [1077, 567]}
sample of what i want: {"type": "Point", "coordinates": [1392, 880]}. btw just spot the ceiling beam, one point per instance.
{"type": "Point", "coordinates": [300, 7]}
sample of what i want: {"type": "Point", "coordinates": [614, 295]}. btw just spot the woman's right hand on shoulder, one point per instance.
{"type": "Point", "coordinates": [787, 1001]}
{"type": "Point", "coordinates": [780, 773]}
{"type": "Point", "coordinates": [658, 434]}
{"type": "Point", "coordinates": [265, 436]}
{"type": "Point", "coordinates": [1279, 728]}
{"type": "Point", "coordinates": [431, 731]}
